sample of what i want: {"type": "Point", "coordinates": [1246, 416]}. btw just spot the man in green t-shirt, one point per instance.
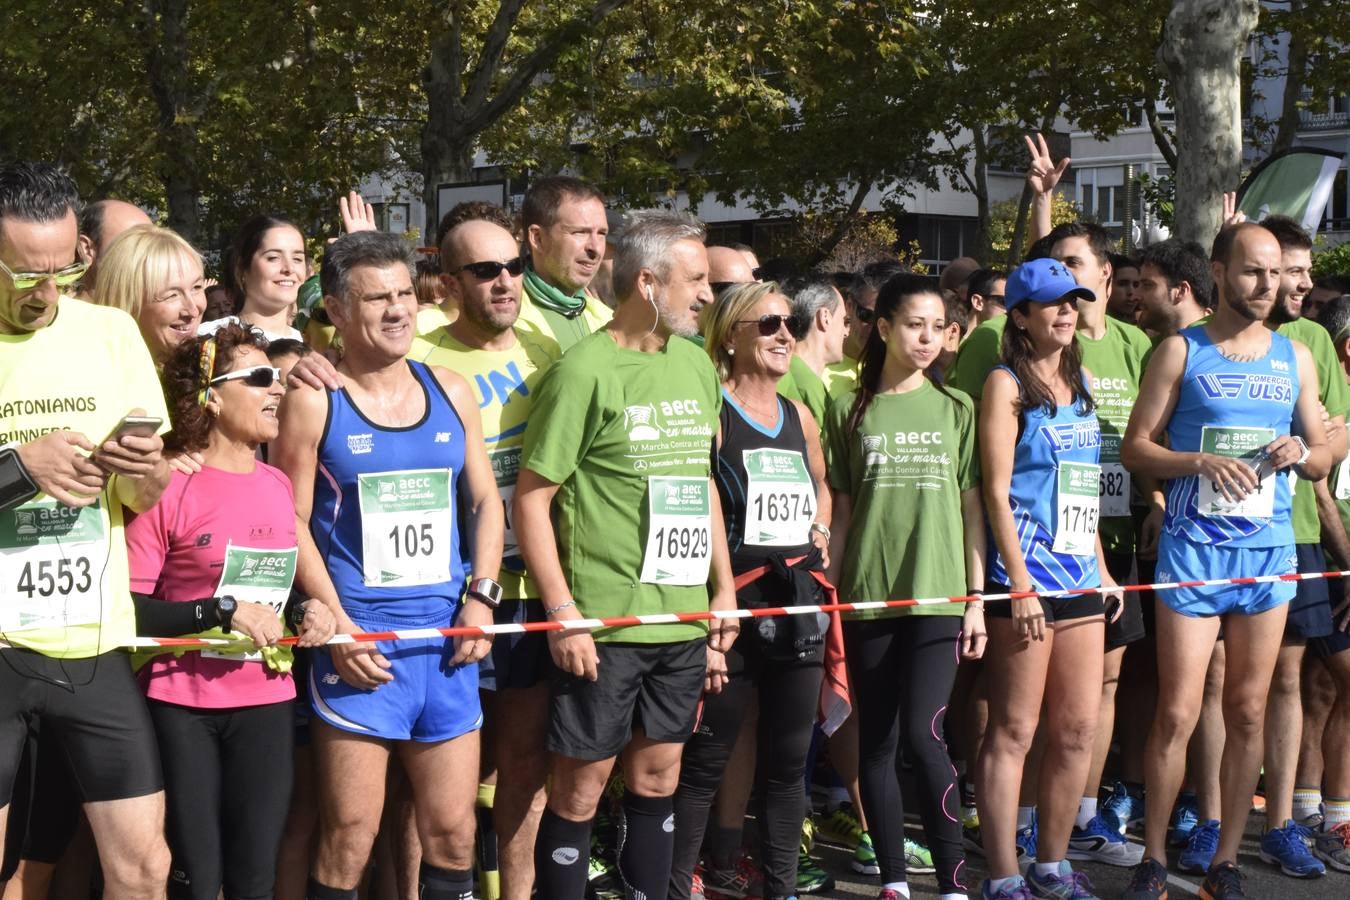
{"type": "Point", "coordinates": [1310, 610]}
{"type": "Point", "coordinates": [616, 515]}
{"type": "Point", "coordinates": [819, 309]}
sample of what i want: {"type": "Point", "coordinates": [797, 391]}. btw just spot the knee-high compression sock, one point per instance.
{"type": "Point", "coordinates": [434, 883]}
{"type": "Point", "coordinates": [317, 891]}
{"type": "Point", "coordinates": [489, 876]}
{"type": "Point", "coordinates": [562, 853]}
{"type": "Point", "coordinates": [646, 845]}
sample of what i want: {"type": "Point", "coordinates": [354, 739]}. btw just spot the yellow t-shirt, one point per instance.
{"type": "Point", "coordinates": [64, 588]}
{"type": "Point", "coordinates": [841, 377]}
{"type": "Point", "coordinates": [504, 382]}
{"type": "Point", "coordinates": [593, 317]}
{"type": "Point", "coordinates": [429, 319]}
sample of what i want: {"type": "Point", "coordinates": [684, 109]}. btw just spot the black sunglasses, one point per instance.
{"type": "Point", "coordinates": [490, 269]}
{"type": "Point", "coordinates": [254, 376]}
{"type": "Point", "coordinates": [769, 325]}
{"type": "Point", "coordinates": [864, 315]}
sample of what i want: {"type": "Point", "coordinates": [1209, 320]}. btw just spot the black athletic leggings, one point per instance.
{"type": "Point", "coordinates": [227, 785]}
{"type": "Point", "coordinates": [789, 694]}
{"type": "Point", "coordinates": [901, 670]}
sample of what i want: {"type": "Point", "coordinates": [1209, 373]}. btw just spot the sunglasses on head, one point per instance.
{"type": "Point", "coordinates": [254, 376]}
{"type": "Point", "coordinates": [26, 281]}
{"type": "Point", "coordinates": [490, 269]}
{"type": "Point", "coordinates": [769, 325]}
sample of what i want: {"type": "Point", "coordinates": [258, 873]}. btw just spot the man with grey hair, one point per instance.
{"type": "Point", "coordinates": [818, 309]}
{"type": "Point", "coordinates": [392, 479]}
{"type": "Point", "coordinates": [617, 454]}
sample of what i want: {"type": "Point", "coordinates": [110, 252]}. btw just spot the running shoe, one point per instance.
{"type": "Point", "coordinates": [1066, 884]}
{"type": "Point", "coordinates": [1016, 889]}
{"type": "Point", "coordinates": [1314, 821]}
{"type": "Point", "coordinates": [808, 835]}
{"type": "Point", "coordinates": [1224, 882]}
{"type": "Point", "coordinates": [864, 860]}
{"type": "Point", "coordinates": [1102, 843]}
{"type": "Point", "coordinates": [840, 827]}
{"type": "Point", "coordinates": [1122, 810]}
{"type": "Point", "coordinates": [918, 860]}
{"type": "Point", "coordinates": [1148, 881]}
{"type": "Point", "coordinates": [1198, 854]}
{"type": "Point", "coordinates": [890, 894]}
{"type": "Point", "coordinates": [744, 880]}
{"type": "Point", "coordinates": [811, 878]}
{"type": "Point", "coordinates": [971, 838]}
{"type": "Point", "coordinates": [696, 890]}
{"type": "Point", "coordinates": [1185, 818]}
{"type": "Point", "coordinates": [1332, 845]}
{"type": "Point", "coordinates": [1289, 848]}
{"type": "Point", "coordinates": [602, 881]}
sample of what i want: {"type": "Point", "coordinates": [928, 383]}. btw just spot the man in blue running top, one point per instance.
{"type": "Point", "coordinates": [390, 472]}
{"type": "Point", "coordinates": [1238, 406]}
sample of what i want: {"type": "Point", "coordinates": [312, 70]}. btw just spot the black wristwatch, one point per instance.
{"type": "Point", "coordinates": [485, 591]}
{"type": "Point", "coordinates": [225, 607]}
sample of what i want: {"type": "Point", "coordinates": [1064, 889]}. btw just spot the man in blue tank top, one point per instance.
{"type": "Point", "coordinates": [393, 480]}
{"type": "Point", "coordinates": [1238, 406]}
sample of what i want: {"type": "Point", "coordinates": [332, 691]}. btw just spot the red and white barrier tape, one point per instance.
{"type": "Point", "coordinates": [404, 634]}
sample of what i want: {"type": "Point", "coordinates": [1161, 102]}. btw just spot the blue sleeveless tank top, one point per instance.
{"type": "Point", "coordinates": [1218, 393]}
{"type": "Point", "coordinates": [386, 511]}
{"type": "Point", "coordinates": [1069, 436]}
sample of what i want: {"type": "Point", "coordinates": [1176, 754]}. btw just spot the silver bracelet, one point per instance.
{"type": "Point", "coordinates": [559, 608]}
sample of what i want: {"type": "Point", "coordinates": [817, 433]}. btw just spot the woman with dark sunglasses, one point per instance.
{"type": "Point", "coordinates": [215, 557]}
{"type": "Point", "coordinates": [770, 473]}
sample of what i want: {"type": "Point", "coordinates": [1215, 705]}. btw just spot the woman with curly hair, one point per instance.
{"type": "Point", "coordinates": [215, 557]}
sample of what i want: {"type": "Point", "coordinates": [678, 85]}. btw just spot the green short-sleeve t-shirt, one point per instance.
{"type": "Point", "coordinates": [904, 470]}
{"type": "Point", "coordinates": [800, 383]}
{"type": "Point", "coordinates": [1335, 396]}
{"type": "Point", "coordinates": [977, 356]}
{"type": "Point", "coordinates": [1116, 362]}
{"type": "Point", "coordinates": [606, 425]}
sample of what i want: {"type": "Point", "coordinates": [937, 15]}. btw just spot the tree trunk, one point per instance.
{"type": "Point", "coordinates": [1202, 47]}
{"type": "Point", "coordinates": [1019, 235]}
{"type": "Point", "coordinates": [981, 192]}
{"type": "Point", "coordinates": [447, 147]}
{"type": "Point", "coordinates": [1293, 80]}
{"type": "Point", "coordinates": [167, 60]}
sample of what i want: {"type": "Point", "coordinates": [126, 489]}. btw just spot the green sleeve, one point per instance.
{"type": "Point", "coordinates": [968, 465]}
{"type": "Point", "coordinates": [974, 361]}
{"type": "Point", "coordinates": [836, 443]}
{"type": "Point", "coordinates": [1331, 386]}
{"type": "Point", "coordinates": [563, 422]}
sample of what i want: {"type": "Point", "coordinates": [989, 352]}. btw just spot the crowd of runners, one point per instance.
{"type": "Point", "coordinates": [577, 414]}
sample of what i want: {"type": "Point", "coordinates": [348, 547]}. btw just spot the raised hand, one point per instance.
{"type": "Point", "coordinates": [1042, 173]}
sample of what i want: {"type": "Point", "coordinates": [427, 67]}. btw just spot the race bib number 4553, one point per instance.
{"type": "Point", "coordinates": [52, 565]}
{"type": "Point", "coordinates": [679, 531]}
{"type": "Point", "coordinates": [405, 527]}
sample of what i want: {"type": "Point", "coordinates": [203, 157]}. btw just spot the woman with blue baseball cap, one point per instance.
{"type": "Point", "coordinates": [1039, 441]}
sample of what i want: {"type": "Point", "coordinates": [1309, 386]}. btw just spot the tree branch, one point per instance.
{"type": "Point", "coordinates": [494, 45]}
{"type": "Point", "coordinates": [845, 222]}
{"type": "Point", "coordinates": [1160, 138]}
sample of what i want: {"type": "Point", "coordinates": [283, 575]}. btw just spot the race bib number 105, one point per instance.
{"type": "Point", "coordinates": [405, 527]}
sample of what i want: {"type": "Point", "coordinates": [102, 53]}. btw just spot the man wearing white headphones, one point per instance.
{"type": "Point", "coordinates": [617, 456]}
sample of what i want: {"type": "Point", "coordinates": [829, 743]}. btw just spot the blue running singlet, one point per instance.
{"type": "Point", "coordinates": [1055, 482]}
{"type": "Point", "coordinates": [1233, 409]}
{"type": "Point", "coordinates": [385, 514]}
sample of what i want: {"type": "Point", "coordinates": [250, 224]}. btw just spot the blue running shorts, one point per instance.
{"type": "Point", "coordinates": [1182, 560]}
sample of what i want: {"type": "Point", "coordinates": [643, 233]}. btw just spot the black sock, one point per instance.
{"type": "Point", "coordinates": [317, 891]}
{"type": "Point", "coordinates": [1135, 789]}
{"type": "Point", "coordinates": [435, 883]}
{"type": "Point", "coordinates": [562, 853]}
{"type": "Point", "coordinates": [487, 840]}
{"type": "Point", "coordinates": [647, 844]}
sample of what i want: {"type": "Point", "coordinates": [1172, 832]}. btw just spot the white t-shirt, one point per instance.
{"type": "Point", "coordinates": [215, 324]}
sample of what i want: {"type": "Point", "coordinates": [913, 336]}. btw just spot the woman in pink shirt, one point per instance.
{"type": "Point", "coordinates": [216, 556]}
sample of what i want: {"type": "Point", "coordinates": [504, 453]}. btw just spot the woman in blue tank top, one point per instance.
{"type": "Point", "coordinates": [1039, 443]}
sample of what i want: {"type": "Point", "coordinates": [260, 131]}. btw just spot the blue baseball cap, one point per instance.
{"type": "Point", "coordinates": [1042, 281]}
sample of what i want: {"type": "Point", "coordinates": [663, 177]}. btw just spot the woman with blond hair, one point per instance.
{"type": "Point", "coordinates": [156, 276]}
{"type": "Point", "coordinates": [770, 476]}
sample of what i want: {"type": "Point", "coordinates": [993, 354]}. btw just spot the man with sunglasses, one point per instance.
{"type": "Point", "coordinates": [482, 272]}
{"type": "Point", "coordinates": [69, 373]}
{"type": "Point", "coordinates": [565, 228]}
{"type": "Point", "coordinates": [616, 514]}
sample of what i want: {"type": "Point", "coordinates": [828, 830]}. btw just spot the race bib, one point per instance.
{"type": "Point", "coordinates": [255, 576]}
{"type": "Point", "coordinates": [1077, 502]}
{"type": "Point", "coordinates": [53, 565]}
{"type": "Point", "coordinates": [780, 499]}
{"type": "Point", "coordinates": [405, 527]}
{"type": "Point", "coordinates": [505, 468]}
{"type": "Point", "coordinates": [1244, 444]}
{"type": "Point", "coordinates": [1343, 480]}
{"type": "Point", "coordinates": [679, 531]}
{"type": "Point", "coordinates": [1115, 490]}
